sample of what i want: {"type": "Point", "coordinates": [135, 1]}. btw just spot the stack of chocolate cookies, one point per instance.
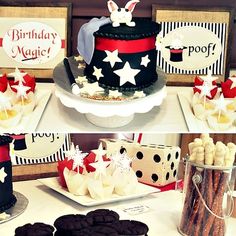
{"type": "Point", "coordinates": [101, 222]}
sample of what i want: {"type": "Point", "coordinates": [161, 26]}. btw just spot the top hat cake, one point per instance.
{"type": "Point", "coordinates": [124, 54]}
{"type": "Point", "coordinates": [7, 199]}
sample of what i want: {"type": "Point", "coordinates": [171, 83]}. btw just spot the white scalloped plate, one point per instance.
{"type": "Point", "coordinates": [107, 109]}
{"type": "Point", "coordinates": [143, 190]}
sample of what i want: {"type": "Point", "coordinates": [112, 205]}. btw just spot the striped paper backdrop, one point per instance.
{"type": "Point", "coordinates": [219, 29]}
{"type": "Point", "coordinates": [58, 155]}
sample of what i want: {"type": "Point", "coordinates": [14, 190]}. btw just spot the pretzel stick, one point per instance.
{"type": "Point", "coordinates": [219, 224]}
{"type": "Point", "coordinates": [200, 213]}
{"type": "Point", "coordinates": [188, 201]}
{"type": "Point", "coordinates": [217, 201]}
{"type": "Point", "coordinates": [194, 213]}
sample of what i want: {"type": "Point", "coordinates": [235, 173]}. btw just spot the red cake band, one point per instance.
{"type": "Point", "coordinates": [17, 136]}
{"type": "Point", "coordinates": [4, 153]}
{"type": "Point", "coordinates": [126, 46]}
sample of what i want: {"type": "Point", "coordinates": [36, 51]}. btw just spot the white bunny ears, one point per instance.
{"type": "Point", "coordinates": [121, 15]}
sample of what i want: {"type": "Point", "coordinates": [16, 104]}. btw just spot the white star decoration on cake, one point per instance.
{"type": "Point", "coordinates": [4, 216]}
{"type": "Point", "coordinates": [78, 58]}
{"type": "Point", "coordinates": [91, 89]}
{"type": "Point", "coordinates": [209, 78]}
{"type": "Point", "coordinates": [114, 93]}
{"type": "Point", "coordinates": [127, 74]}
{"type": "Point", "coordinates": [81, 80]}
{"type": "Point", "coordinates": [99, 152]}
{"type": "Point", "coordinates": [112, 57]}
{"type": "Point", "coordinates": [19, 76]}
{"type": "Point", "coordinates": [81, 66]}
{"type": "Point", "coordinates": [145, 61]}
{"type": "Point", "coordinates": [97, 72]}
{"type": "Point", "coordinates": [139, 94]}
{"type": "Point", "coordinates": [5, 103]}
{"type": "Point", "coordinates": [205, 89]}
{"type": "Point", "coordinates": [21, 90]}
{"type": "Point", "coordinates": [233, 85]}
{"type": "Point", "coordinates": [3, 175]}
{"type": "Point", "coordinates": [221, 103]}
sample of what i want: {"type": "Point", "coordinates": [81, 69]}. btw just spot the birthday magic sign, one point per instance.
{"type": "Point", "coordinates": [32, 43]}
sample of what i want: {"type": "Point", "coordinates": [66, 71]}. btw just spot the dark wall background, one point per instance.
{"type": "Point", "coordinates": [83, 10]}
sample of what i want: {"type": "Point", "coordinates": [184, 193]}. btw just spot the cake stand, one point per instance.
{"type": "Point", "coordinates": [18, 208]}
{"type": "Point", "coordinates": [103, 113]}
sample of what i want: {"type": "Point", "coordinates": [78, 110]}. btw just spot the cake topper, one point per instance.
{"type": "Point", "coordinates": [122, 15]}
{"type": "Point", "coordinates": [18, 75]}
{"type": "Point", "coordinates": [99, 152]}
{"type": "Point", "coordinates": [70, 154]}
{"type": "Point", "coordinates": [78, 158]}
{"type": "Point", "coordinates": [205, 91]}
{"type": "Point", "coordinates": [221, 105]}
{"type": "Point", "coordinates": [21, 91]}
{"type": "Point", "coordinates": [209, 79]}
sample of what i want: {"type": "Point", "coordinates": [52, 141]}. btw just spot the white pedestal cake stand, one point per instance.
{"type": "Point", "coordinates": [110, 114]}
{"type": "Point", "coordinates": [103, 113]}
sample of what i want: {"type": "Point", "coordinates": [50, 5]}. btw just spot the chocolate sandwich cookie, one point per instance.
{"type": "Point", "coordinates": [97, 230]}
{"type": "Point", "coordinates": [103, 216]}
{"type": "Point", "coordinates": [130, 228]}
{"type": "Point", "coordinates": [36, 229]}
{"type": "Point", "coordinates": [66, 224]}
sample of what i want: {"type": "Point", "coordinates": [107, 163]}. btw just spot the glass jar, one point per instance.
{"type": "Point", "coordinates": [208, 200]}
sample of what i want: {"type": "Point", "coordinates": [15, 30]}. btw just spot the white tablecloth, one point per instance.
{"type": "Point", "coordinates": [166, 118]}
{"type": "Point", "coordinates": [45, 205]}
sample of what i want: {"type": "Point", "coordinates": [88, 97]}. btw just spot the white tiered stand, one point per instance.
{"type": "Point", "coordinates": [109, 114]}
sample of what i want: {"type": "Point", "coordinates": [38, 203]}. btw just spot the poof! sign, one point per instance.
{"type": "Point", "coordinates": [40, 145]}
{"type": "Point", "coordinates": [191, 48]}
{"type": "Point", "coordinates": [31, 43]}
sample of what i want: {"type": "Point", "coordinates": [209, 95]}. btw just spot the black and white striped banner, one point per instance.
{"type": "Point", "coordinates": [216, 64]}
{"type": "Point", "coordinates": [48, 149]}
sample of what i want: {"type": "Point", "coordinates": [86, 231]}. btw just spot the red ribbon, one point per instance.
{"type": "Point", "coordinates": [140, 138]}
{"type": "Point", "coordinates": [63, 43]}
{"type": "Point", "coordinates": [17, 136]}
{"type": "Point", "coordinates": [126, 46]}
{"type": "Point", "coordinates": [1, 39]}
{"type": "Point", "coordinates": [4, 153]}
{"type": "Point", "coordinates": [176, 50]}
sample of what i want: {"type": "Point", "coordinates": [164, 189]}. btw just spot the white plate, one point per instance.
{"type": "Point", "coordinates": [195, 125]}
{"type": "Point", "coordinates": [86, 200]}
{"type": "Point", "coordinates": [28, 123]}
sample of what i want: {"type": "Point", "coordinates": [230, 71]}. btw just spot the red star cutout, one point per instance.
{"type": "Point", "coordinates": [227, 92]}
{"type": "Point", "coordinates": [3, 83]}
{"type": "Point", "coordinates": [91, 159]}
{"type": "Point", "coordinates": [29, 81]}
{"type": "Point", "coordinates": [66, 163]}
{"type": "Point", "coordinates": [199, 82]}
